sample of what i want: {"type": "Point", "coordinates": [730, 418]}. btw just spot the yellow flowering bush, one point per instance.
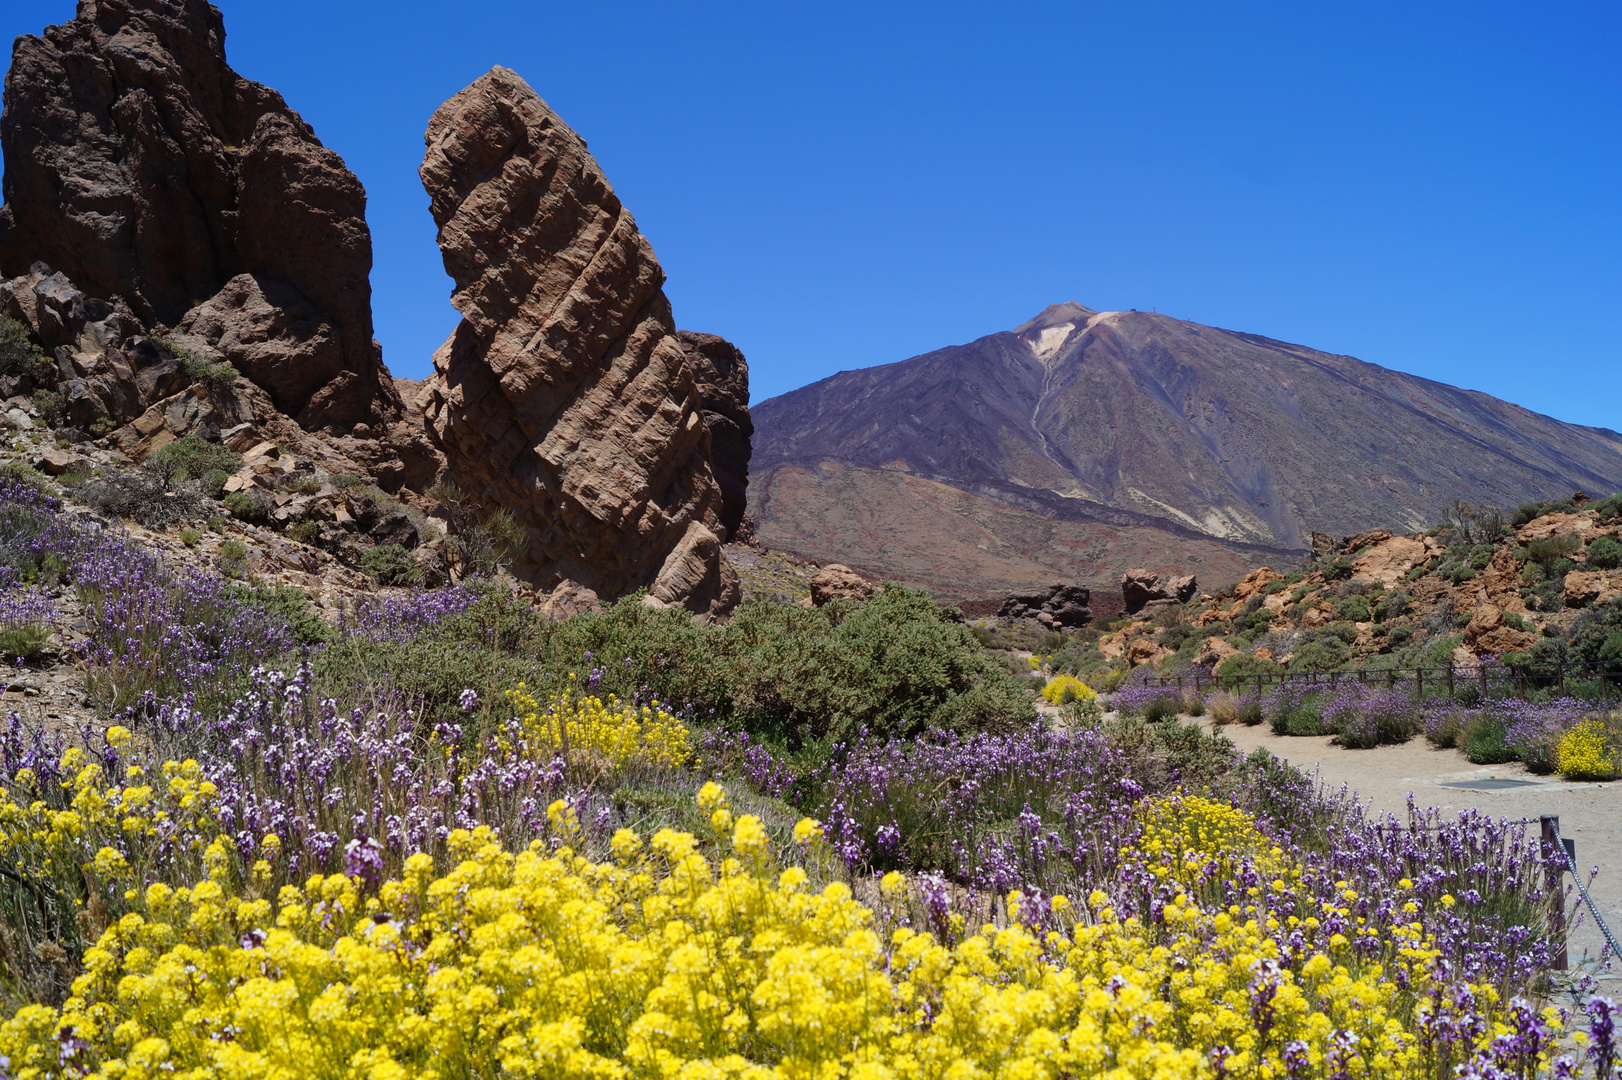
{"type": "Point", "coordinates": [682, 958]}
{"type": "Point", "coordinates": [1587, 752]}
{"type": "Point", "coordinates": [1062, 688]}
{"type": "Point", "coordinates": [609, 731]}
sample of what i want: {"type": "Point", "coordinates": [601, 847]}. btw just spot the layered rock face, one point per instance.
{"type": "Point", "coordinates": [722, 375]}
{"type": "Point", "coordinates": [145, 170]}
{"type": "Point", "coordinates": [565, 395]}
{"type": "Point", "coordinates": [160, 208]}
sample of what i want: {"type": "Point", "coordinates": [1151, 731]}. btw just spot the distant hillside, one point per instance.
{"type": "Point", "coordinates": [1083, 442]}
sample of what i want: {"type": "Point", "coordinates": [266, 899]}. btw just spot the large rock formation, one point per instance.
{"type": "Point", "coordinates": [565, 395]}
{"type": "Point", "coordinates": [1059, 604]}
{"type": "Point", "coordinates": [1146, 591]}
{"type": "Point", "coordinates": [146, 177]}
{"type": "Point", "coordinates": [141, 167]}
{"type": "Point", "coordinates": [722, 375]}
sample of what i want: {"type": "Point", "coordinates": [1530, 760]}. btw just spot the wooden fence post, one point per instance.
{"type": "Point", "coordinates": [1557, 856]}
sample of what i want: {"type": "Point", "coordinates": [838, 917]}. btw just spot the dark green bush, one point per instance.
{"type": "Point", "coordinates": [1605, 553]}
{"type": "Point", "coordinates": [798, 677]}
{"type": "Point", "coordinates": [391, 564]}
{"type": "Point", "coordinates": [1551, 549]}
{"type": "Point", "coordinates": [1526, 513]}
{"type": "Point", "coordinates": [1353, 609]}
{"type": "Point", "coordinates": [193, 457]}
{"type": "Point", "coordinates": [896, 664]}
{"type": "Point", "coordinates": [245, 507]}
{"type": "Point", "coordinates": [1324, 651]}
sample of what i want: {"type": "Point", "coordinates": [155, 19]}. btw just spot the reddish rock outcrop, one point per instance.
{"type": "Point", "coordinates": [150, 175]}
{"type": "Point", "coordinates": [565, 395]}
{"type": "Point", "coordinates": [1145, 590]}
{"type": "Point", "coordinates": [722, 375]}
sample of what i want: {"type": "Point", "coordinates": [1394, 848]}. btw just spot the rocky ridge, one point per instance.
{"type": "Point", "coordinates": [1544, 586]}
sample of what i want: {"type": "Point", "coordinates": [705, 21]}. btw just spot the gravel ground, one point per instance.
{"type": "Point", "coordinates": [1590, 814]}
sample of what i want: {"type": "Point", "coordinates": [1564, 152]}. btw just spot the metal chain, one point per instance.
{"type": "Point", "coordinates": [1616, 950]}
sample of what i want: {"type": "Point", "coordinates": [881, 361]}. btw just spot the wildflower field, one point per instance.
{"type": "Point", "coordinates": [445, 839]}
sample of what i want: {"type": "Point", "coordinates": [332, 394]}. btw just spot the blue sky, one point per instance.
{"type": "Point", "coordinates": [1433, 187]}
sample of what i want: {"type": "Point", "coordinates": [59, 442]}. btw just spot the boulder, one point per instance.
{"type": "Point", "coordinates": [1213, 650]}
{"type": "Point", "coordinates": [839, 581]}
{"type": "Point", "coordinates": [1388, 560]}
{"type": "Point", "coordinates": [1586, 587]}
{"type": "Point", "coordinates": [1063, 604]}
{"type": "Point", "coordinates": [152, 177]}
{"type": "Point", "coordinates": [1254, 582]}
{"type": "Point", "coordinates": [564, 395]}
{"type": "Point", "coordinates": [1488, 633]}
{"type": "Point", "coordinates": [57, 462]}
{"type": "Point", "coordinates": [1146, 591]}
{"type": "Point", "coordinates": [722, 376]}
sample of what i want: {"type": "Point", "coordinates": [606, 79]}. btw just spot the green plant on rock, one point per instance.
{"type": "Point", "coordinates": [233, 559]}
{"type": "Point", "coordinates": [192, 457]}
{"type": "Point", "coordinates": [1605, 553]}
{"type": "Point", "coordinates": [391, 564]}
{"type": "Point", "coordinates": [245, 507]}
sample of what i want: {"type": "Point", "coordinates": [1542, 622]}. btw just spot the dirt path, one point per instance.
{"type": "Point", "coordinates": [1590, 814]}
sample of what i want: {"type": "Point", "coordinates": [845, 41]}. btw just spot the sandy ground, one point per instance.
{"type": "Point", "coordinates": [1590, 814]}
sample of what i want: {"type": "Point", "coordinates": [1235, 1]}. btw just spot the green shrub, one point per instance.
{"type": "Point", "coordinates": [190, 537]}
{"type": "Point", "coordinates": [1484, 739]}
{"type": "Point", "coordinates": [1552, 548]}
{"type": "Point", "coordinates": [1353, 609]}
{"type": "Point", "coordinates": [344, 481]}
{"type": "Point", "coordinates": [52, 408]}
{"type": "Point", "coordinates": [896, 664]}
{"type": "Point", "coordinates": [212, 483]}
{"type": "Point", "coordinates": [214, 376]}
{"type": "Point", "coordinates": [305, 532]}
{"type": "Point", "coordinates": [290, 605]}
{"type": "Point", "coordinates": [1247, 666]}
{"type": "Point", "coordinates": [193, 457]}
{"type": "Point", "coordinates": [1605, 553]}
{"type": "Point", "coordinates": [1605, 509]}
{"type": "Point", "coordinates": [1526, 513]}
{"type": "Point", "coordinates": [216, 523]}
{"type": "Point", "coordinates": [233, 559]}
{"type": "Point", "coordinates": [391, 564]}
{"type": "Point", "coordinates": [246, 507]}
{"type": "Point", "coordinates": [21, 643]}
{"type": "Point", "coordinates": [798, 677]}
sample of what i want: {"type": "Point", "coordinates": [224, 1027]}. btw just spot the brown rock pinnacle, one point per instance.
{"type": "Point", "coordinates": [564, 395]}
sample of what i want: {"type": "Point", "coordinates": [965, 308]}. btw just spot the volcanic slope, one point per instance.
{"type": "Point", "coordinates": [1082, 442]}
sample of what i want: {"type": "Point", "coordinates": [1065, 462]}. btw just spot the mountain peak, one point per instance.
{"type": "Point", "coordinates": [1055, 314]}
{"type": "Point", "coordinates": [1048, 332]}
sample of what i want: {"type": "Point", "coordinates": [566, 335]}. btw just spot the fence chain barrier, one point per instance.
{"type": "Point", "coordinates": [1567, 862]}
